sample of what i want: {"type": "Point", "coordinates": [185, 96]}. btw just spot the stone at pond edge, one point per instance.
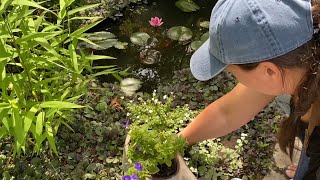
{"type": "Point", "coordinates": [180, 33]}
{"type": "Point", "coordinates": [139, 38]}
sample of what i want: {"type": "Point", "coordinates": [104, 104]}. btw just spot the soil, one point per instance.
{"type": "Point", "coordinates": [166, 171]}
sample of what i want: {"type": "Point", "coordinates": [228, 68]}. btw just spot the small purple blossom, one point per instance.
{"type": "Point", "coordinates": [126, 126]}
{"type": "Point", "coordinates": [138, 166]}
{"type": "Point", "coordinates": [134, 177]}
{"type": "Point", "coordinates": [127, 177]}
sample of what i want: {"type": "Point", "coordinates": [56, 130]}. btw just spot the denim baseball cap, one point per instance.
{"type": "Point", "coordinates": [250, 31]}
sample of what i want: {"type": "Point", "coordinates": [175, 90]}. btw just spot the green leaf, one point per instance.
{"type": "Point", "coordinates": [18, 129]}
{"type": "Point", "coordinates": [37, 35]}
{"type": "Point", "coordinates": [28, 120]}
{"type": "Point", "coordinates": [73, 55]}
{"type": "Point", "coordinates": [82, 8]}
{"type": "Point", "coordinates": [93, 19]}
{"type": "Point", "coordinates": [180, 33]}
{"type": "Point", "coordinates": [139, 38]}
{"type": "Point", "coordinates": [30, 3]}
{"type": "Point", "coordinates": [49, 134]}
{"type": "Point", "coordinates": [5, 105]}
{"type": "Point", "coordinates": [187, 5]}
{"type": "Point", "coordinates": [84, 29]}
{"type": "Point", "coordinates": [98, 57]}
{"type": "Point", "coordinates": [4, 5]}
{"type": "Point", "coordinates": [3, 132]}
{"type": "Point", "coordinates": [59, 105]}
{"type": "Point", "coordinates": [205, 24]}
{"type": "Point", "coordinates": [39, 124]}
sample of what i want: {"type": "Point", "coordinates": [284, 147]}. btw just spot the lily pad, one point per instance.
{"type": "Point", "coordinates": [103, 40]}
{"type": "Point", "coordinates": [205, 24]}
{"type": "Point", "coordinates": [179, 33]}
{"type": "Point", "coordinates": [98, 36]}
{"type": "Point", "coordinates": [196, 44]}
{"type": "Point", "coordinates": [204, 37]}
{"type": "Point", "coordinates": [187, 5]}
{"type": "Point", "coordinates": [139, 38]}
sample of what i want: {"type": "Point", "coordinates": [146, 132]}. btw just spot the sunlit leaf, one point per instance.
{"type": "Point", "coordinates": [139, 38]}
{"type": "Point", "coordinates": [59, 105]}
{"type": "Point", "coordinates": [187, 5]}
{"type": "Point", "coordinates": [180, 33]}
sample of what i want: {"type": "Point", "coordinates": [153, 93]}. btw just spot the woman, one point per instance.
{"type": "Point", "coordinates": [272, 48]}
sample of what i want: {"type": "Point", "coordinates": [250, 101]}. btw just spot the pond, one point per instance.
{"type": "Point", "coordinates": [155, 61]}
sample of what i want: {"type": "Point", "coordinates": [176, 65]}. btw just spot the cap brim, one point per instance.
{"type": "Point", "coordinates": [203, 65]}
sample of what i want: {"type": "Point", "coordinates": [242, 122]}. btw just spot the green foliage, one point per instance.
{"type": "Point", "coordinates": [153, 133]}
{"type": "Point", "coordinates": [180, 33]}
{"type": "Point", "coordinates": [197, 94]}
{"type": "Point", "coordinates": [41, 72]}
{"type": "Point", "coordinates": [187, 5]}
{"type": "Point", "coordinates": [212, 160]}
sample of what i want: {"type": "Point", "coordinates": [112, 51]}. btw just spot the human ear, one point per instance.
{"type": "Point", "coordinates": [271, 70]}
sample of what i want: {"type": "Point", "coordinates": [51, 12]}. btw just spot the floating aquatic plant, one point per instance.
{"type": "Point", "coordinates": [180, 33]}
{"type": "Point", "coordinates": [139, 38]}
{"type": "Point", "coordinates": [187, 5]}
{"type": "Point", "coordinates": [196, 44]}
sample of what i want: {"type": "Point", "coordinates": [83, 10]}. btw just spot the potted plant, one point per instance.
{"type": "Point", "coordinates": [152, 149]}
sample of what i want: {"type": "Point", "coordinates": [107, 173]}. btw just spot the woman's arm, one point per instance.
{"type": "Point", "coordinates": [226, 114]}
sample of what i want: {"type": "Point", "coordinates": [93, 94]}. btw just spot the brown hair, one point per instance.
{"type": "Point", "coordinates": [306, 56]}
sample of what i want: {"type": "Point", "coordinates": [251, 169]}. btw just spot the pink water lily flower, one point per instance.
{"type": "Point", "coordinates": [156, 22]}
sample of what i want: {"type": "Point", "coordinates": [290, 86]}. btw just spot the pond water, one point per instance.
{"type": "Point", "coordinates": [156, 61]}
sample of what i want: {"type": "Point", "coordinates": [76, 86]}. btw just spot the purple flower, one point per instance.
{"type": "Point", "coordinates": [138, 166]}
{"type": "Point", "coordinates": [126, 177]}
{"type": "Point", "coordinates": [126, 125]}
{"type": "Point", "coordinates": [134, 177]}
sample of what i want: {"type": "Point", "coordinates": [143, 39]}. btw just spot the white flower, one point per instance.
{"type": "Point", "coordinates": [128, 114]}
{"type": "Point", "coordinates": [138, 117]}
{"type": "Point", "coordinates": [181, 121]}
{"type": "Point", "coordinates": [140, 98]}
{"type": "Point", "coordinates": [171, 92]}
{"type": "Point", "coordinates": [150, 111]}
{"type": "Point", "coordinates": [239, 141]}
{"type": "Point", "coordinates": [122, 97]}
{"type": "Point", "coordinates": [165, 97]}
{"type": "Point", "coordinates": [156, 101]}
{"type": "Point", "coordinates": [244, 135]}
{"type": "Point", "coordinates": [131, 101]}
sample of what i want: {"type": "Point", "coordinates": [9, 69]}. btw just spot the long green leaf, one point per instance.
{"type": "Point", "coordinates": [78, 32]}
{"type": "Point", "coordinates": [59, 105]}
{"type": "Point", "coordinates": [39, 125]}
{"type": "Point", "coordinates": [32, 4]}
{"type": "Point", "coordinates": [3, 132]}
{"type": "Point", "coordinates": [28, 120]}
{"type": "Point", "coordinates": [37, 35]}
{"type": "Point", "coordinates": [4, 5]}
{"type": "Point", "coordinates": [98, 57]}
{"type": "Point", "coordinates": [18, 128]}
{"type": "Point", "coordinates": [73, 55]}
{"type": "Point", "coordinates": [50, 138]}
{"type": "Point", "coordinates": [82, 8]}
{"type": "Point", "coordinates": [94, 18]}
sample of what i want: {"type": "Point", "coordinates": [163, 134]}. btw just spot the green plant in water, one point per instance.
{"type": "Point", "coordinates": [41, 73]}
{"type": "Point", "coordinates": [153, 133]}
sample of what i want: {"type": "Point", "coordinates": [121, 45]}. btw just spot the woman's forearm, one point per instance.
{"type": "Point", "coordinates": [226, 114]}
